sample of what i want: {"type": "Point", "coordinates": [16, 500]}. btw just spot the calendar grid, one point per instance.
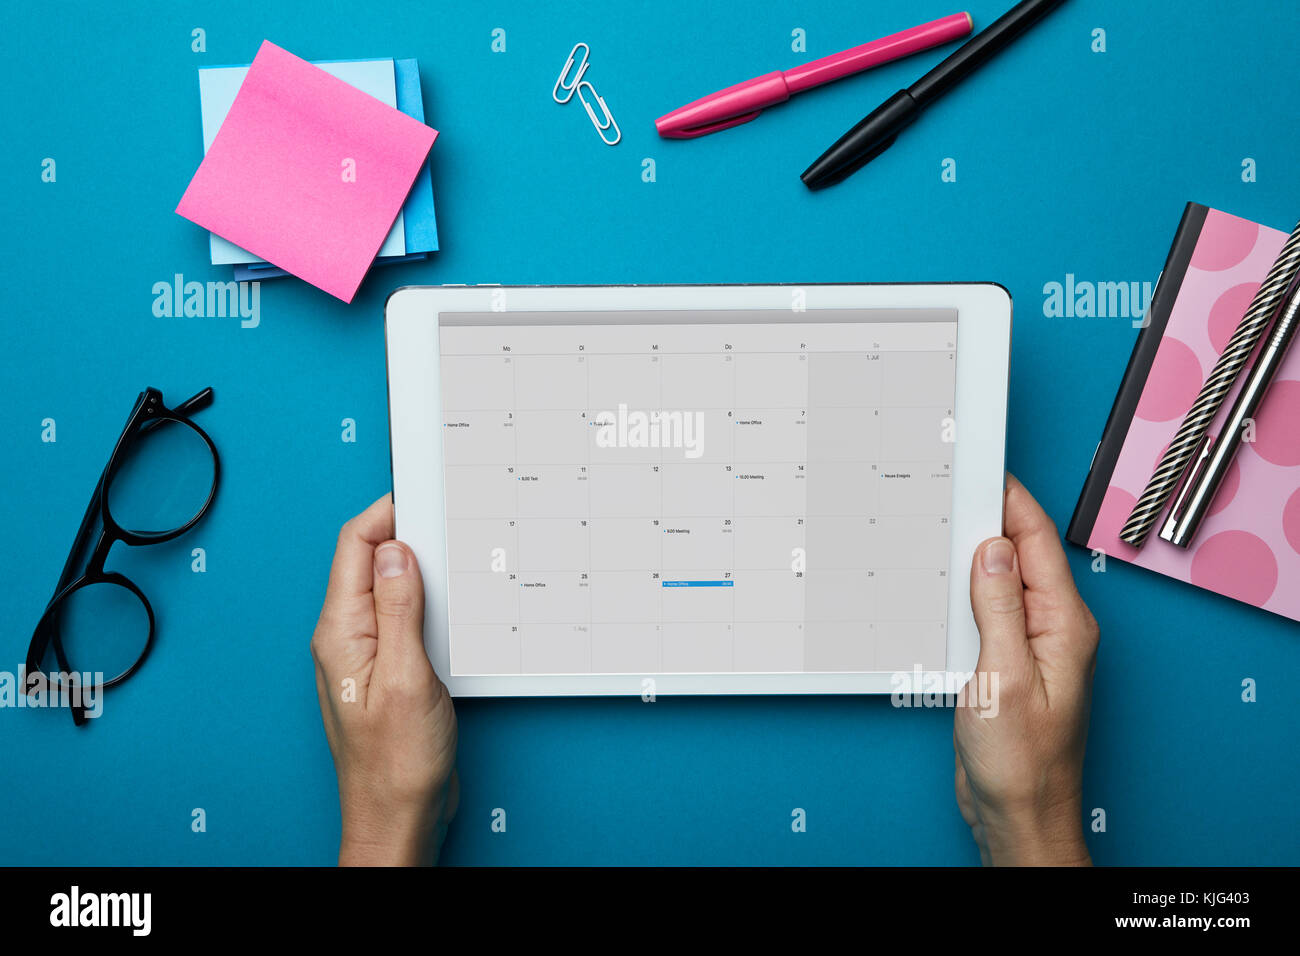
{"type": "Point", "coordinates": [608, 445]}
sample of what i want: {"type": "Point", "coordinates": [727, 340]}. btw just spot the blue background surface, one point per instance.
{"type": "Point", "coordinates": [1067, 160]}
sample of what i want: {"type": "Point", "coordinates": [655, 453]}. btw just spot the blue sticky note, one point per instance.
{"type": "Point", "coordinates": [256, 273]}
{"type": "Point", "coordinates": [420, 223]}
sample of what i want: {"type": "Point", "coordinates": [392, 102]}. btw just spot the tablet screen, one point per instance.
{"type": "Point", "coordinates": [697, 492]}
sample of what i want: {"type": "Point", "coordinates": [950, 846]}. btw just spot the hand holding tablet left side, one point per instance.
{"type": "Point", "coordinates": [389, 719]}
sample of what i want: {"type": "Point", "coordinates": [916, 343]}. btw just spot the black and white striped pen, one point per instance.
{"type": "Point", "coordinates": [1204, 477]}
{"type": "Point", "coordinates": [1189, 439]}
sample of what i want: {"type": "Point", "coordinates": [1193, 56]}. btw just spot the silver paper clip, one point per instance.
{"type": "Point", "coordinates": [564, 73]}
{"type": "Point", "coordinates": [604, 108]}
{"type": "Point", "coordinates": [574, 83]}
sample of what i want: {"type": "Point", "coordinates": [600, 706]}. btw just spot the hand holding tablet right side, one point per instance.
{"type": "Point", "coordinates": [1019, 773]}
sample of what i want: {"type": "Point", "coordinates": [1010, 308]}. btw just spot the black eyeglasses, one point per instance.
{"type": "Point", "coordinates": [159, 481]}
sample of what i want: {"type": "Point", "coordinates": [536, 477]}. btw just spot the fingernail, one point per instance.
{"type": "Point", "coordinates": [390, 560]}
{"type": "Point", "coordinates": [998, 557]}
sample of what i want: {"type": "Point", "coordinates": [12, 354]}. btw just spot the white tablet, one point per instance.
{"type": "Point", "coordinates": [698, 489]}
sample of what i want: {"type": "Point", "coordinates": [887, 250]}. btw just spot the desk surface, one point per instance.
{"type": "Point", "coordinates": [1068, 161]}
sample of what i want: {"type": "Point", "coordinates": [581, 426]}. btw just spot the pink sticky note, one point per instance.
{"type": "Point", "coordinates": [307, 172]}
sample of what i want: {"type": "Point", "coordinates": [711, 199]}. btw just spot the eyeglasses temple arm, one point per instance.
{"type": "Point", "coordinates": [92, 510]}
{"type": "Point", "coordinates": [79, 542]}
{"type": "Point", "coordinates": [195, 403]}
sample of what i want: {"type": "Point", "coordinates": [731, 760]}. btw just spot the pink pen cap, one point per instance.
{"type": "Point", "coordinates": [744, 101]}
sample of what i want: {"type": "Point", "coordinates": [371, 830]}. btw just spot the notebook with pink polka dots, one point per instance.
{"type": "Point", "coordinates": [1248, 547]}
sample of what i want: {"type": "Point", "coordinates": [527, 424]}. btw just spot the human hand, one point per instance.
{"type": "Point", "coordinates": [389, 719]}
{"type": "Point", "coordinates": [1020, 771]}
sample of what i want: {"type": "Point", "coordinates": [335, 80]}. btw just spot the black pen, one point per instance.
{"type": "Point", "coordinates": [877, 132]}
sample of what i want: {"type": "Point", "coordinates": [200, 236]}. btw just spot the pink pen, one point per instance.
{"type": "Point", "coordinates": [744, 101]}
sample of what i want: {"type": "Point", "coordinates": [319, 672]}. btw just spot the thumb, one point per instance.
{"type": "Point", "coordinates": [997, 597]}
{"type": "Point", "coordinates": [399, 612]}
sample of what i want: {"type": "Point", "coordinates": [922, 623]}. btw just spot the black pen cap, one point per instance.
{"type": "Point", "coordinates": [863, 143]}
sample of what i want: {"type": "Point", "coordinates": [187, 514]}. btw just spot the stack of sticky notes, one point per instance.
{"type": "Point", "coordinates": [315, 170]}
